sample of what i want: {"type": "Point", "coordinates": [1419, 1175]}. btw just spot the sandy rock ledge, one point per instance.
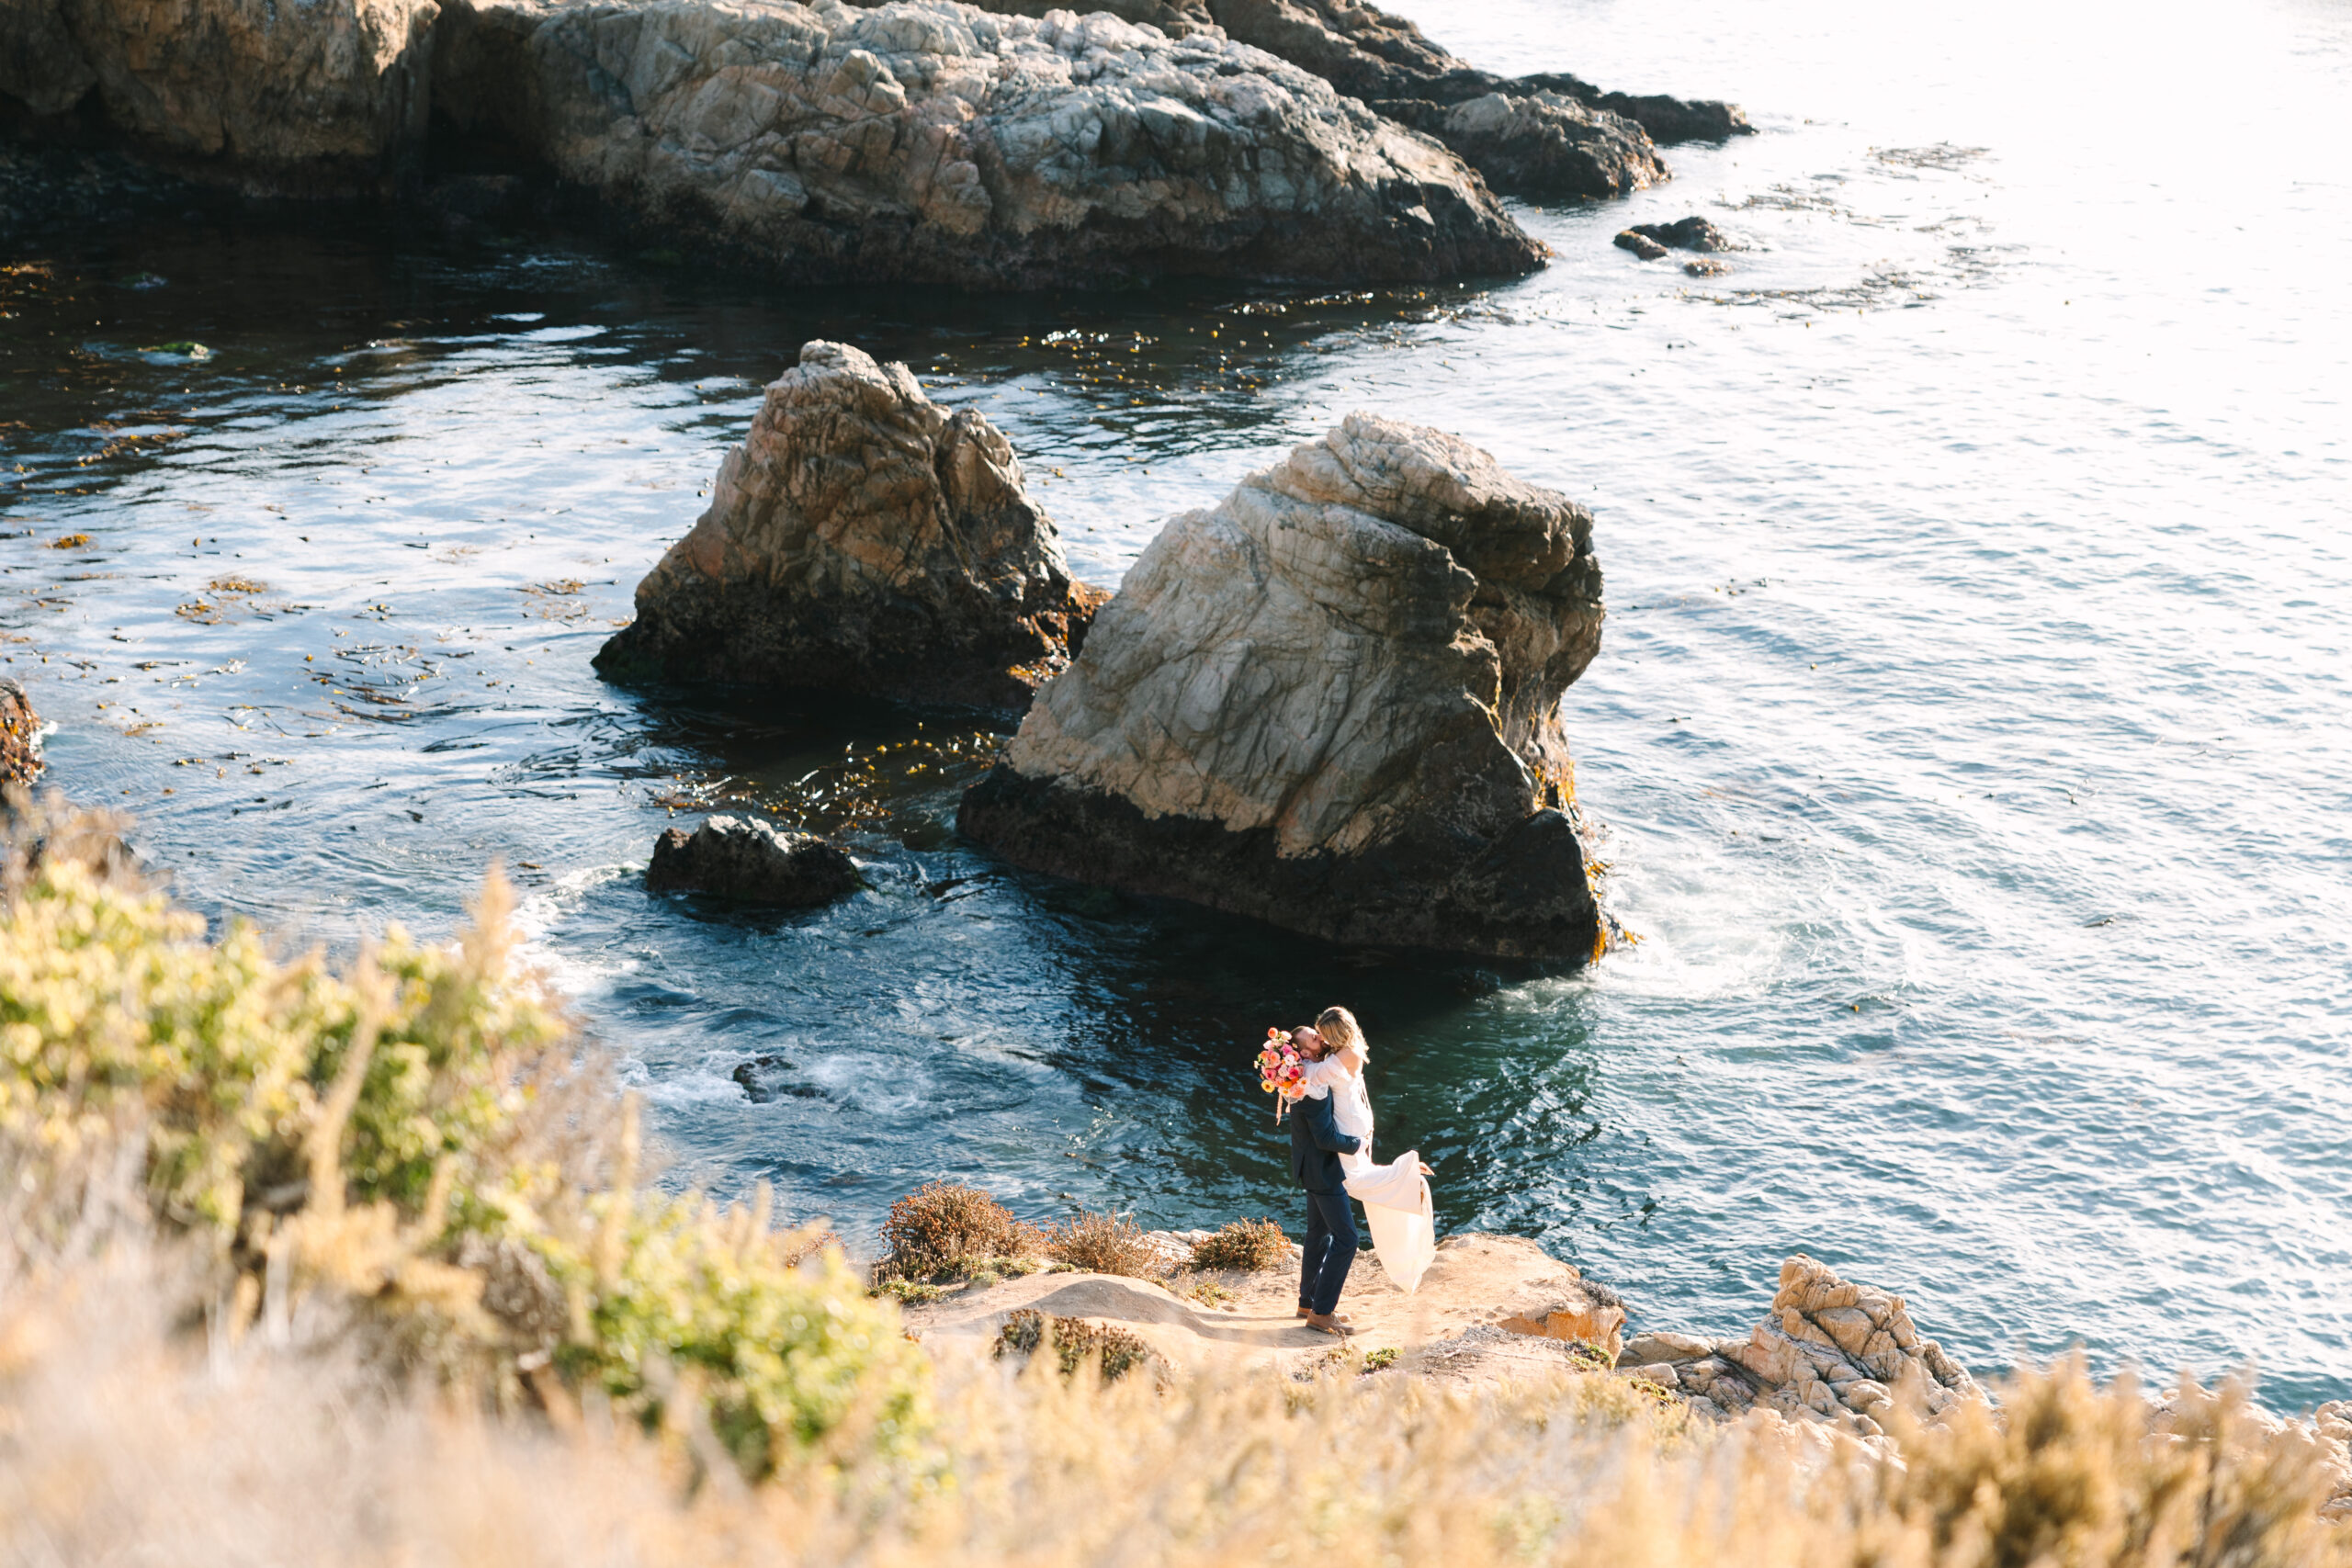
{"type": "Point", "coordinates": [1332, 702]}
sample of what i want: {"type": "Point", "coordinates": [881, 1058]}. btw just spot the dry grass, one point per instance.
{"type": "Point", "coordinates": [122, 1439]}
{"type": "Point", "coordinates": [1248, 1246]}
{"type": "Point", "coordinates": [1076, 1343]}
{"type": "Point", "coordinates": [941, 1231]}
{"type": "Point", "coordinates": [1105, 1244]}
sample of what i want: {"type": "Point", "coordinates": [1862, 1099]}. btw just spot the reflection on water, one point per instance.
{"type": "Point", "coordinates": [1971, 725]}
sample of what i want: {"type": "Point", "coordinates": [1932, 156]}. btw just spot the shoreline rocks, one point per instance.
{"type": "Point", "coordinates": [862, 540]}
{"type": "Point", "coordinates": [1332, 703]}
{"type": "Point", "coordinates": [1551, 134]}
{"type": "Point", "coordinates": [751, 863]}
{"type": "Point", "coordinates": [1841, 1351]}
{"type": "Point", "coordinates": [918, 140]}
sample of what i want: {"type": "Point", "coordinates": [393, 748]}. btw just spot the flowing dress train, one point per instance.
{"type": "Point", "coordinates": [1397, 1209]}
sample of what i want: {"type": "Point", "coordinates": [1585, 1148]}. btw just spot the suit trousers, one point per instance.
{"type": "Point", "coordinates": [1329, 1253]}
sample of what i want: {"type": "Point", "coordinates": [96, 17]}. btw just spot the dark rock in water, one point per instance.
{"type": "Point", "coordinates": [1685, 235]}
{"type": "Point", "coordinates": [1541, 144]}
{"type": "Point", "coordinates": [1641, 244]}
{"type": "Point", "coordinates": [20, 761]}
{"type": "Point", "coordinates": [1668, 119]}
{"type": "Point", "coordinates": [1706, 267]}
{"type": "Point", "coordinates": [862, 540]}
{"type": "Point", "coordinates": [1332, 702]}
{"type": "Point", "coordinates": [751, 863]}
{"type": "Point", "coordinates": [761, 1080]}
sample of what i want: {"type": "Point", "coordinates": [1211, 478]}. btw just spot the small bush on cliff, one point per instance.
{"type": "Point", "coordinates": [941, 1230]}
{"type": "Point", "coordinates": [1104, 1243]}
{"type": "Point", "coordinates": [1115, 1352]}
{"type": "Point", "coordinates": [1249, 1246]}
{"type": "Point", "coordinates": [409, 1152]}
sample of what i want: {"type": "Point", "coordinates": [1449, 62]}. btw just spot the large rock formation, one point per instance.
{"type": "Point", "coordinates": [862, 540]}
{"type": "Point", "coordinates": [1837, 1351]}
{"type": "Point", "coordinates": [1522, 146]}
{"type": "Point", "coordinates": [921, 140]}
{"type": "Point", "coordinates": [300, 94]}
{"type": "Point", "coordinates": [1332, 702]}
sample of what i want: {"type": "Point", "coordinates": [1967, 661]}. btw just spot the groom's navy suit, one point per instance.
{"type": "Point", "coordinates": [1315, 1145]}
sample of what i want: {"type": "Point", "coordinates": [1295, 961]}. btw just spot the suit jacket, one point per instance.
{"type": "Point", "coordinates": [1315, 1145]}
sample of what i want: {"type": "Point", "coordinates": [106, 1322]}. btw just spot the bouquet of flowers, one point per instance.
{"type": "Point", "coordinates": [1280, 1071]}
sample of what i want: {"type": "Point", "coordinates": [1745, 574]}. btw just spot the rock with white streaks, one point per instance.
{"type": "Point", "coordinates": [1332, 702]}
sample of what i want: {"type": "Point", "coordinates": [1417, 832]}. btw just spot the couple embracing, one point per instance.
{"type": "Point", "coordinates": [1330, 1155]}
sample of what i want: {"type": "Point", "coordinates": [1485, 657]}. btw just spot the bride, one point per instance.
{"type": "Point", "coordinates": [1395, 1196]}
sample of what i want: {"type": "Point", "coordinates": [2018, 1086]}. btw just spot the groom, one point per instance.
{"type": "Point", "coordinates": [1315, 1145]}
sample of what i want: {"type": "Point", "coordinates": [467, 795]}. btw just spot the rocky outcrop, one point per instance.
{"type": "Point", "coordinates": [1332, 702]}
{"type": "Point", "coordinates": [1841, 1351]}
{"type": "Point", "coordinates": [21, 762]}
{"type": "Point", "coordinates": [304, 97]}
{"type": "Point", "coordinates": [921, 140]}
{"type": "Point", "coordinates": [751, 863]}
{"type": "Point", "coordinates": [1540, 144]}
{"type": "Point", "coordinates": [862, 540]}
{"type": "Point", "coordinates": [1552, 135]}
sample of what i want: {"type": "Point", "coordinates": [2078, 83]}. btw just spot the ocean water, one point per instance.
{"type": "Point", "coordinates": [1971, 728]}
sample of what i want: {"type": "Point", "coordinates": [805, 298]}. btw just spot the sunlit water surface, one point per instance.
{"type": "Point", "coordinates": [1971, 728]}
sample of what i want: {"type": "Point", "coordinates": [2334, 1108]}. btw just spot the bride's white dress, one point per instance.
{"type": "Point", "coordinates": [1395, 1196]}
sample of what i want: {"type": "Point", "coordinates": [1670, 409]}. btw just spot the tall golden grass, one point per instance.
{"type": "Point", "coordinates": [245, 1321]}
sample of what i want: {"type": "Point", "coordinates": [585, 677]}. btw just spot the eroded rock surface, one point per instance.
{"type": "Point", "coordinates": [749, 861]}
{"type": "Point", "coordinates": [919, 141]}
{"type": "Point", "coordinates": [297, 94]}
{"type": "Point", "coordinates": [20, 761]}
{"type": "Point", "coordinates": [1332, 702]}
{"type": "Point", "coordinates": [1838, 1350]}
{"type": "Point", "coordinates": [862, 540]}
{"type": "Point", "coordinates": [1693, 233]}
{"type": "Point", "coordinates": [1543, 147]}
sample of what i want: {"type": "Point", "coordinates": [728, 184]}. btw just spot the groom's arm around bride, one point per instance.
{"type": "Point", "coordinates": [1315, 1145]}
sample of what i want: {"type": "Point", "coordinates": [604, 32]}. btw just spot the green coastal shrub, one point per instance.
{"type": "Point", "coordinates": [1245, 1245]}
{"type": "Point", "coordinates": [416, 1138]}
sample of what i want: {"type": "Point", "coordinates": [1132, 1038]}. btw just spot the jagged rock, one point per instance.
{"type": "Point", "coordinates": [752, 862]}
{"type": "Point", "coordinates": [1332, 702]}
{"type": "Point", "coordinates": [762, 1080]}
{"type": "Point", "coordinates": [302, 96]}
{"type": "Point", "coordinates": [862, 540]}
{"type": "Point", "coordinates": [925, 140]}
{"type": "Point", "coordinates": [1706, 267]}
{"type": "Point", "coordinates": [1387, 62]}
{"type": "Point", "coordinates": [921, 140]}
{"type": "Point", "coordinates": [1640, 244]}
{"type": "Point", "coordinates": [1693, 233]}
{"type": "Point", "coordinates": [1590, 1323]}
{"type": "Point", "coordinates": [20, 759]}
{"type": "Point", "coordinates": [1542, 144]}
{"type": "Point", "coordinates": [1828, 1348]}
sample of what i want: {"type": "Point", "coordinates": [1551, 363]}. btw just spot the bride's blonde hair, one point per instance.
{"type": "Point", "coordinates": [1339, 1026]}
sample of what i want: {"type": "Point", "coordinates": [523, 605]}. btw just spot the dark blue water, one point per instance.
{"type": "Point", "coordinates": [1971, 725]}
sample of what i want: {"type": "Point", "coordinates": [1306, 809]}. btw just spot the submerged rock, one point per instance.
{"type": "Point", "coordinates": [763, 1081]}
{"type": "Point", "coordinates": [1836, 1350]}
{"type": "Point", "coordinates": [1693, 233]}
{"type": "Point", "coordinates": [20, 759]}
{"type": "Point", "coordinates": [1706, 267]}
{"type": "Point", "coordinates": [862, 540]}
{"type": "Point", "coordinates": [1641, 244]}
{"type": "Point", "coordinates": [1332, 702]}
{"type": "Point", "coordinates": [752, 862]}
